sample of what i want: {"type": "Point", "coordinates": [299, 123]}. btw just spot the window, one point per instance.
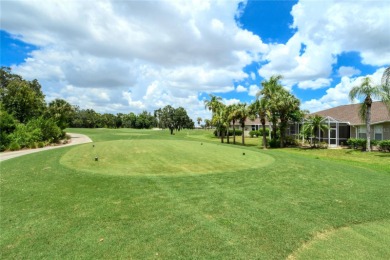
{"type": "Point", "coordinates": [362, 132]}
{"type": "Point", "coordinates": [378, 132]}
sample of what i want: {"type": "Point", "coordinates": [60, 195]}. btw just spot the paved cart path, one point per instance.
{"type": "Point", "coordinates": [75, 139]}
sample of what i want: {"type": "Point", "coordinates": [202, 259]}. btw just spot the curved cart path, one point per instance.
{"type": "Point", "coordinates": [75, 139]}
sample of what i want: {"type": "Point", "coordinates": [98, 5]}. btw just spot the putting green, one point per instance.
{"type": "Point", "coordinates": [161, 157]}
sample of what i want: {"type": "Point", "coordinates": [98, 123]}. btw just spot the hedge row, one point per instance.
{"type": "Point", "coordinates": [359, 143]}
{"type": "Point", "coordinates": [257, 133]}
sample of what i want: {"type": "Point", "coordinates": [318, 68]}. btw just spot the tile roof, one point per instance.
{"type": "Point", "coordinates": [350, 113]}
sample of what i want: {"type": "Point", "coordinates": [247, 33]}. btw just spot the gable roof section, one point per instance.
{"type": "Point", "coordinates": [350, 113]}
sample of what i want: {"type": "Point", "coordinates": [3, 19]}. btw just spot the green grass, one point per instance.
{"type": "Point", "coordinates": [192, 197]}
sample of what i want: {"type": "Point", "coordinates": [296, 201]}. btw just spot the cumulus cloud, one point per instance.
{"type": "Point", "coordinates": [230, 101]}
{"type": "Point", "coordinates": [241, 88]}
{"type": "Point", "coordinates": [325, 29]}
{"type": "Point", "coordinates": [314, 84]}
{"type": "Point", "coordinates": [339, 95]}
{"type": "Point", "coordinates": [142, 54]}
{"type": "Point", "coordinates": [253, 90]}
{"type": "Point", "coordinates": [348, 71]}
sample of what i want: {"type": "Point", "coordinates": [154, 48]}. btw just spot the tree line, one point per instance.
{"type": "Point", "coordinates": [273, 103]}
{"type": "Point", "coordinates": [27, 121]}
{"type": "Point", "coordinates": [279, 107]}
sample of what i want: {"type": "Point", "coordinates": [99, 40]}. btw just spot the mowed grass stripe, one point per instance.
{"type": "Point", "coordinates": [161, 157]}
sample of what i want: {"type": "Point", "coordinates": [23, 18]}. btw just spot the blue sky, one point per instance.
{"type": "Point", "coordinates": [129, 56]}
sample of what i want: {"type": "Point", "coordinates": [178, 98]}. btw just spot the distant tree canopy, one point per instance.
{"type": "Point", "coordinates": [173, 118]}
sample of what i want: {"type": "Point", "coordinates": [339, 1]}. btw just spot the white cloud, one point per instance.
{"type": "Point", "coordinates": [327, 29]}
{"type": "Point", "coordinates": [241, 88]}
{"type": "Point", "coordinates": [164, 52]}
{"type": "Point", "coordinates": [253, 90]}
{"type": "Point", "coordinates": [348, 71]}
{"type": "Point", "coordinates": [314, 84]}
{"type": "Point", "coordinates": [339, 95]}
{"type": "Point", "coordinates": [230, 101]}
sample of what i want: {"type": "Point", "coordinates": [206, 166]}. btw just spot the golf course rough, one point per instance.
{"type": "Point", "coordinates": [162, 157]}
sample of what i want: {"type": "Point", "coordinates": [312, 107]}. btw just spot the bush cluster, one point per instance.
{"type": "Point", "coordinates": [384, 145]}
{"type": "Point", "coordinates": [360, 143]}
{"type": "Point", "coordinates": [257, 133]}
{"type": "Point", "coordinates": [35, 133]}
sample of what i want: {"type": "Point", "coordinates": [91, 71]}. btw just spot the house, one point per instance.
{"type": "Point", "coordinates": [344, 122]}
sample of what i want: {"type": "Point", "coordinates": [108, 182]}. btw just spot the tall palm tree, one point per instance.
{"type": "Point", "coordinates": [313, 125]}
{"type": "Point", "coordinates": [220, 120]}
{"type": "Point", "coordinates": [368, 91]}
{"type": "Point", "coordinates": [269, 91]}
{"type": "Point", "coordinates": [232, 117]}
{"type": "Point", "coordinates": [213, 103]}
{"type": "Point", "coordinates": [286, 104]}
{"type": "Point", "coordinates": [385, 88]}
{"type": "Point", "coordinates": [259, 106]}
{"type": "Point", "coordinates": [242, 115]}
{"type": "Point", "coordinates": [199, 119]}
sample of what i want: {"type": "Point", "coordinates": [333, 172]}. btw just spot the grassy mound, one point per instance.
{"type": "Point", "coordinates": [161, 157]}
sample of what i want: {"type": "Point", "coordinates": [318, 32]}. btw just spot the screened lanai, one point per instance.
{"type": "Point", "coordinates": [337, 132]}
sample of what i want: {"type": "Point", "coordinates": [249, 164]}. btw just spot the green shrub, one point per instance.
{"type": "Point", "coordinates": [238, 132]}
{"type": "Point", "coordinates": [14, 146]}
{"type": "Point", "coordinates": [360, 143]}
{"type": "Point", "coordinates": [261, 132]}
{"type": "Point", "coordinates": [384, 145]}
{"type": "Point", "coordinates": [291, 141]}
{"type": "Point", "coordinates": [274, 143]}
{"type": "Point", "coordinates": [254, 133]}
{"type": "Point", "coordinates": [32, 145]}
{"type": "Point", "coordinates": [21, 136]}
{"type": "Point", "coordinates": [41, 144]}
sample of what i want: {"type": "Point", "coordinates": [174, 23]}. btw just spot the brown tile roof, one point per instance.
{"type": "Point", "coordinates": [350, 113]}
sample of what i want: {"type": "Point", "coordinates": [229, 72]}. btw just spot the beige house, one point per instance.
{"type": "Point", "coordinates": [344, 123]}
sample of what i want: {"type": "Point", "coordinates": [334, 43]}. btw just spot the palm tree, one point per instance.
{"type": "Point", "coordinates": [199, 119]}
{"type": "Point", "coordinates": [286, 104]}
{"type": "Point", "coordinates": [368, 91]}
{"type": "Point", "coordinates": [242, 115]}
{"type": "Point", "coordinates": [207, 123]}
{"type": "Point", "coordinates": [213, 103]}
{"type": "Point", "coordinates": [220, 120]}
{"type": "Point", "coordinates": [385, 88]}
{"type": "Point", "coordinates": [269, 91]}
{"type": "Point", "coordinates": [259, 108]}
{"type": "Point", "coordinates": [313, 125]}
{"type": "Point", "coordinates": [232, 117]}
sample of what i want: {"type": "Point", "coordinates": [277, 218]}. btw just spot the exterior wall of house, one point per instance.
{"type": "Point", "coordinates": [386, 131]}
{"type": "Point", "coordinates": [378, 131]}
{"type": "Point", "coordinates": [353, 132]}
